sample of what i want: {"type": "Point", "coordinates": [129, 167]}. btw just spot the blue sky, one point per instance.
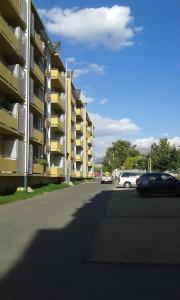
{"type": "Point", "coordinates": [130, 73]}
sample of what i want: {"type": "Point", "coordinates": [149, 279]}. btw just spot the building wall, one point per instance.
{"type": "Point", "coordinates": [27, 105]}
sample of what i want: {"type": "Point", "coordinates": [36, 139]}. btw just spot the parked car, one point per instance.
{"type": "Point", "coordinates": [157, 183]}
{"type": "Point", "coordinates": [127, 179]}
{"type": "Point", "coordinates": [106, 178]}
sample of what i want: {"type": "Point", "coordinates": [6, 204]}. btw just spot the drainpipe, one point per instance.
{"type": "Point", "coordinates": [65, 120]}
{"type": "Point", "coordinates": [27, 68]}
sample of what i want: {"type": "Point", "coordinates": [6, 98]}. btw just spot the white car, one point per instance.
{"type": "Point", "coordinates": [106, 179]}
{"type": "Point", "coordinates": [127, 179]}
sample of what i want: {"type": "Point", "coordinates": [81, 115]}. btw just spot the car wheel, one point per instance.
{"type": "Point", "coordinates": [127, 185]}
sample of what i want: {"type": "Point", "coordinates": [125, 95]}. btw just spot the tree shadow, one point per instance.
{"type": "Point", "coordinates": [54, 267]}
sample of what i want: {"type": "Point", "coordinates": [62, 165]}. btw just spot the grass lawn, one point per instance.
{"type": "Point", "coordinates": [37, 191]}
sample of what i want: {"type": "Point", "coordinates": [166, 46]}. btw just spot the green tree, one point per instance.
{"type": "Point", "coordinates": [164, 156]}
{"type": "Point", "coordinates": [118, 153]}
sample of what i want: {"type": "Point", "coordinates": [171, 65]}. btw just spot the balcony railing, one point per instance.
{"type": "Point", "coordinates": [79, 174]}
{"type": "Point", "coordinates": [90, 175]}
{"type": "Point", "coordinates": [39, 74]}
{"type": "Point", "coordinates": [79, 143]}
{"type": "Point", "coordinates": [8, 120]}
{"type": "Point", "coordinates": [89, 130]}
{"type": "Point", "coordinates": [38, 41]}
{"type": "Point", "coordinates": [38, 104]}
{"type": "Point", "coordinates": [79, 127]}
{"type": "Point", "coordinates": [58, 80]}
{"type": "Point", "coordinates": [57, 124]}
{"type": "Point", "coordinates": [58, 101]}
{"type": "Point", "coordinates": [79, 113]}
{"type": "Point", "coordinates": [37, 136]}
{"type": "Point", "coordinates": [89, 141]}
{"type": "Point", "coordinates": [7, 76]}
{"type": "Point", "coordinates": [8, 165]}
{"type": "Point", "coordinates": [56, 172]}
{"type": "Point", "coordinates": [57, 147]}
{"type": "Point", "coordinates": [8, 34]}
{"type": "Point", "coordinates": [89, 152]}
{"type": "Point", "coordinates": [79, 157]}
{"type": "Point", "coordinates": [38, 169]}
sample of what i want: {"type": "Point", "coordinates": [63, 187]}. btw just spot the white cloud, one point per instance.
{"type": "Point", "coordinates": [95, 68]}
{"type": "Point", "coordinates": [110, 127]}
{"type": "Point", "coordinates": [86, 99]}
{"type": "Point", "coordinates": [111, 27]}
{"type": "Point", "coordinates": [103, 101]}
{"type": "Point", "coordinates": [92, 68]}
{"type": "Point", "coordinates": [144, 143]}
{"type": "Point", "coordinates": [71, 60]}
{"type": "Point", "coordinates": [80, 72]}
{"type": "Point", "coordinates": [108, 130]}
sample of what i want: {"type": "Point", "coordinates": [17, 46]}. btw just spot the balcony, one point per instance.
{"type": "Point", "coordinates": [90, 175]}
{"type": "Point", "coordinates": [73, 173]}
{"type": "Point", "coordinates": [57, 124]}
{"type": "Point", "coordinates": [37, 136]}
{"type": "Point", "coordinates": [79, 128]}
{"type": "Point", "coordinates": [38, 169]}
{"type": "Point", "coordinates": [38, 42]}
{"type": "Point", "coordinates": [38, 73]}
{"type": "Point", "coordinates": [38, 104]}
{"type": "Point", "coordinates": [79, 113]}
{"type": "Point", "coordinates": [89, 152]}
{"type": "Point", "coordinates": [89, 163]}
{"type": "Point", "coordinates": [7, 76]}
{"type": "Point", "coordinates": [89, 141]}
{"type": "Point", "coordinates": [73, 117]}
{"type": "Point", "coordinates": [7, 36]}
{"type": "Point", "coordinates": [8, 122]}
{"type": "Point", "coordinates": [57, 147]}
{"type": "Point", "coordinates": [79, 143]}
{"type": "Point", "coordinates": [58, 80]}
{"type": "Point", "coordinates": [56, 172]}
{"type": "Point", "coordinates": [89, 130]}
{"type": "Point", "coordinates": [79, 157]}
{"type": "Point", "coordinates": [8, 165]}
{"type": "Point", "coordinates": [57, 101]}
{"type": "Point", "coordinates": [79, 174]}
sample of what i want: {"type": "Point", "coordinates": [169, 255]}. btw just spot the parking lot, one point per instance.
{"type": "Point", "coordinates": [139, 230]}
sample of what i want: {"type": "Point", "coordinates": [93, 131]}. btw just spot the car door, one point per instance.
{"type": "Point", "coordinates": [155, 183]}
{"type": "Point", "coordinates": [169, 184]}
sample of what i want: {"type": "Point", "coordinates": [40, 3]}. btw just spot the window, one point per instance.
{"type": "Point", "coordinates": [125, 175]}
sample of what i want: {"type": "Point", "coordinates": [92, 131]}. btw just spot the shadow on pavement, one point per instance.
{"type": "Point", "coordinates": [53, 267]}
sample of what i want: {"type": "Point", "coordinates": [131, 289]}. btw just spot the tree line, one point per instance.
{"type": "Point", "coordinates": [123, 155]}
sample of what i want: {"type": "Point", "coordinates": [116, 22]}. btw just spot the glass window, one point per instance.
{"type": "Point", "coordinates": [125, 175]}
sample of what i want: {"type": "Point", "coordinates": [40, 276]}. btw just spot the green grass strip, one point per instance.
{"type": "Point", "coordinates": [37, 191]}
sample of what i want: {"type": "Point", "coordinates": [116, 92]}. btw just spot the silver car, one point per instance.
{"type": "Point", "coordinates": [127, 179]}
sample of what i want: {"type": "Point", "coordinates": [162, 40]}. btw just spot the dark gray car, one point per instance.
{"type": "Point", "coordinates": [157, 183]}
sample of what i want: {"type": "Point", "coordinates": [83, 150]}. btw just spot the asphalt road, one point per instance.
{"type": "Point", "coordinates": [46, 247]}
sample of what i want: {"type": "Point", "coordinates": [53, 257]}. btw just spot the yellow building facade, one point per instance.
{"type": "Point", "coordinates": [43, 122]}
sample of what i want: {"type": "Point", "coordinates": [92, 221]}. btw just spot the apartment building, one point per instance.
{"type": "Point", "coordinates": [43, 127]}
